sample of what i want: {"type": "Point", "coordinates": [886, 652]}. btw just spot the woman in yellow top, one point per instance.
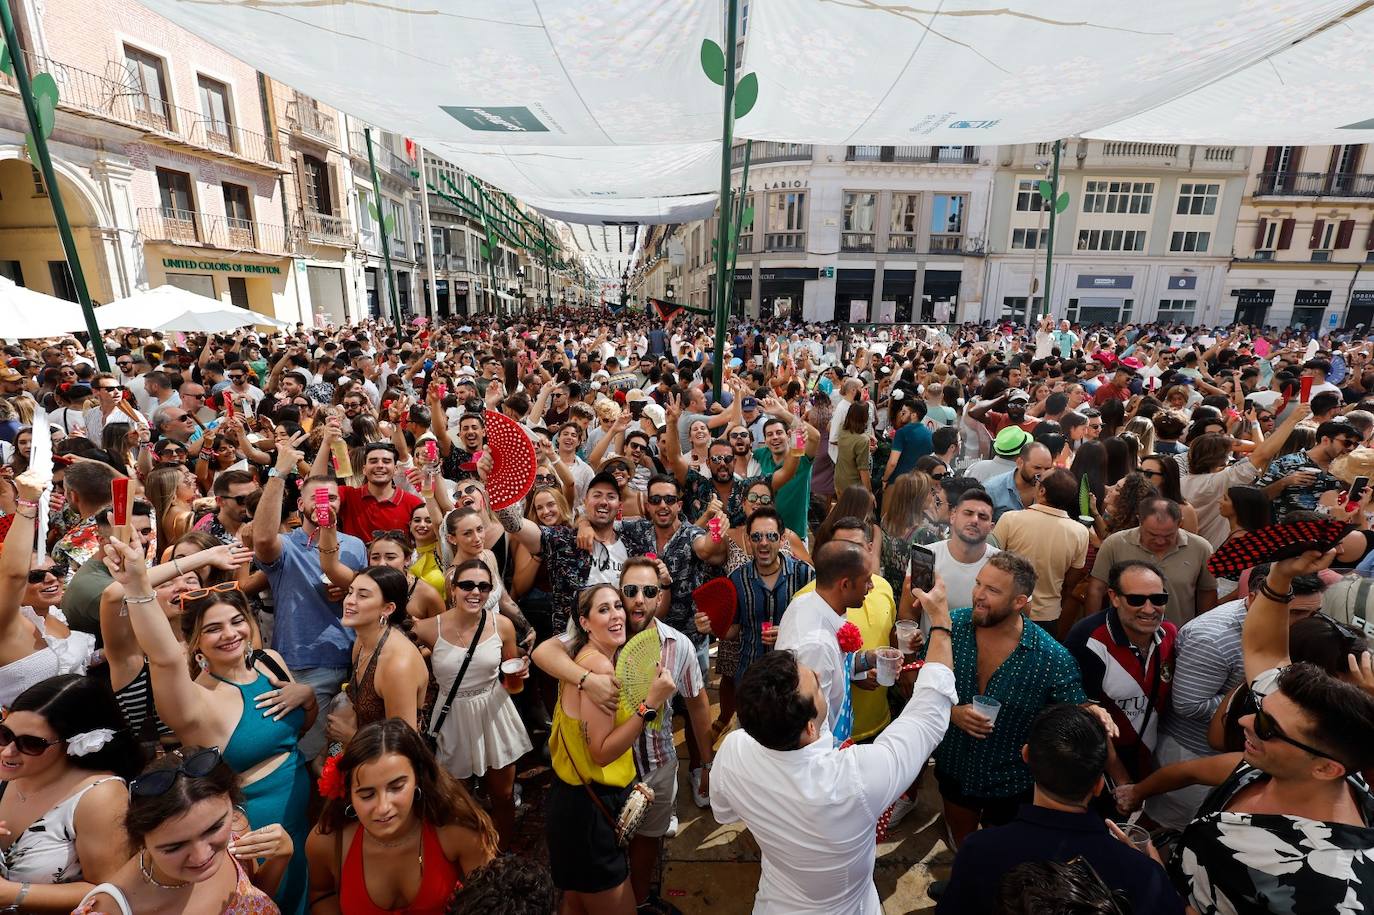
{"type": "Point", "coordinates": [591, 748]}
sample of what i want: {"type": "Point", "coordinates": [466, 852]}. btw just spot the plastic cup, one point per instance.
{"type": "Point", "coordinates": [889, 665]}
{"type": "Point", "coordinates": [907, 630]}
{"type": "Point", "coordinates": [987, 707]}
{"type": "Point", "coordinates": [513, 674]}
{"type": "Point", "coordinates": [1139, 836]}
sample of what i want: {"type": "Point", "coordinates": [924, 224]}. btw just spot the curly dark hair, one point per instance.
{"type": "Point", "coordinates": [512, 885]}
{"type": "Point", "coordinates": [1134, 490]}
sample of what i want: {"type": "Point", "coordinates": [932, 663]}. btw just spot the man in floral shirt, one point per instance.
{"type": "Point", "coordinates": [1295, 482]}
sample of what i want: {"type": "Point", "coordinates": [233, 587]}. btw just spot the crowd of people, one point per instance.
{"type": "Point", "coordinates": [275, 638]}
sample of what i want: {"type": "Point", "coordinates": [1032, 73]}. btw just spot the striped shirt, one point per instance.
{"type": "Point", "coordinates": [759, 604]}
{"type": "Point", "coordinates": [136, 702]}
{"type": "Point", "coordinates": [1208, 665]}
{"type": "Point", "coordinates": [654, 747]}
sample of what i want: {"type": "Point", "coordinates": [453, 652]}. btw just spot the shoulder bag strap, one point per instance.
{"type": "Point", "coordinates": [259, 657]}
{"type": "Point", "coordinates": [458, 680]}
{"type": "Point", "coordinates": [600, 805]}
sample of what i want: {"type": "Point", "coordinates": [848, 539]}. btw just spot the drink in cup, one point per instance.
{"type": "Point", "coordinates": [988, 707]}
{"type": "Point", "coordinates": [1139, 836]}
{"type": "Point", "coordinates": [513, 674]}
{"type": "Point", "coordinates": [889, 665]}
{"type": "Point", "coordinates": [343, 464]}
{"type": "Point", "coordinates": [906, 635]}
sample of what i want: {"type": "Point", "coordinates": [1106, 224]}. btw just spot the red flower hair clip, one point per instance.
{"type": "Point", "coordinates": [330, 783]}
{"type": "Point", "coordinates": [850, 638]}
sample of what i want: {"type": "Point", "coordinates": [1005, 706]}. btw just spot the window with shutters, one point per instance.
{"type": "Point", "coordinates": [318, 196]}
{"type": "Point", "coordinates": [1345, 232]}
{"type": "Point", "coordinates": [1346, 159]}
{"type": "Point", "coordinates": [214, 105]}
{"type": "Point", "coordinates": [147, 79]}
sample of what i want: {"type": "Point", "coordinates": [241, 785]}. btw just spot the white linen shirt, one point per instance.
{"type": "Point", "coordinates": [814, 811]}
{"type": "Point", "coordinates": [808, 630]}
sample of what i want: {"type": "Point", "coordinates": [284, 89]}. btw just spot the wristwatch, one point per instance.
{"type": "Point", "coordinates": [648, 714]}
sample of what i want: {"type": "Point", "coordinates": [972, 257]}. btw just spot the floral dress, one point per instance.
{"type": "Point", "coordinates": [1229, 862]}
{"type": "Point", "coordinates": [246, 899]}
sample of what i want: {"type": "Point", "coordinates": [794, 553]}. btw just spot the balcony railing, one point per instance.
{"type": "Point", "coordinates": [763, 153]}
{"type": "Point", "coordinates": [901, 242]}
{"type": "Point", "coordinates": [328, 230]}
{"type": "Point", "coordinates": [1314, 184]}
{"type": "Point", "coordinates": [304, 118]}
{"type": "Point", "coordinates": [1118, 150]}
{"type": "Point", "coordinates": [942, 155]}
{"type": "Point", "coordinates": [946, 244]}
{"type": "Point", "coordinates": [387, 161]}
{"type": "Point", "coordinates": [1218, 154]}
{"type": "Point", "coordinates": [115, 100]}
{"type": "Point", "coordinates": [857, 241]}
{"type": "Point", "coordinates": [211, 230]}
{"type": "Point", "coordinates": [785, 241]}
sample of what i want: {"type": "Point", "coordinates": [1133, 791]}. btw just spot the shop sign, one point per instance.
{"type": "Point", "coordinates": [1105, 281]}
{"type": "Point", "coordinates": [787, 273]}
{"type": "Point", "coordinates": [460, 287]}
{"type": "Point", "coordinates": [177, 263]}
{"type": "Point", "coordinates": [1253, 296]}
{"type": "Point", "coordinates": [1182, 282]}
{"type": "Point", "coordinates": [1363, 297]}
{"type": "Point", "coordinates": [1312, 298]}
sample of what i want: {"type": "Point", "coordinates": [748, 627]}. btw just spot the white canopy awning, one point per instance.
{"type": "Point", "coordinates": [600, 109]}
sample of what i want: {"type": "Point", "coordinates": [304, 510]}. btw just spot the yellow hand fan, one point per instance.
{"type": "Point", "coordinates": [636, 667]}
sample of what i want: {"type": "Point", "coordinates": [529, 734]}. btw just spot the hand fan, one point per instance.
{"type": "Point", "coordinates": [636, 667]}
{"type": "Point", "coordinates": [717, 599]}
{"type": "Point", "coordinates": [512, 461]}
{"type": "Point", "coordinates": [1275, 542]}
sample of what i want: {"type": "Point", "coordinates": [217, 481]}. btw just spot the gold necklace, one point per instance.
{"type": "Point", "coordinates": [148, 874]}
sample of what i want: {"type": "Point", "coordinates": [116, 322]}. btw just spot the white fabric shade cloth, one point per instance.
{"type": "Point", "coordinates": [599, 109]}
{"type": "Point", "coordinates": [26, 314]}
{"type": "Point", "coordinates": [170, 308]}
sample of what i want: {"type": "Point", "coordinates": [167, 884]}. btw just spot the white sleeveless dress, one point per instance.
{"type": "Point", "coordinates": [45, 852]}
{"type": "Point", "coordinates": [58, 656]}
{"type": "Point", "coordinates": [483, 730]}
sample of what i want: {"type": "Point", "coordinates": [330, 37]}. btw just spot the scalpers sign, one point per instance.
{"type": "Point", "coordinates": [175, 263]}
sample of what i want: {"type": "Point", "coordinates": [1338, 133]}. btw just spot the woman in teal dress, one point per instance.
{"type": "Point", "coordinates": [231, 694]}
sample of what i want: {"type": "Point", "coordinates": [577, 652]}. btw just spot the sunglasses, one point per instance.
{"type": "Point", "coordinates": [28, 744]}
{"type": "Point", "coordinates": [722, 459]}
{"type": "Point", "coordinates": [633, 591]}
{"type": "Point", "coordinates": [757, 498]}
{"type": "Point", "coordinates": [110, 387]}
{"type": "Point", "coordinates": [125, 365]}
{"type": "Point", "coordinates": [1266, 728]}
{"type": "Point", "coordinates": [545, 479]}
{"type": "Point", "coordinates": [200, 593]}
{"type": "Point", "coordinates": [761, 536]}
{"type": "Point", "coordinates": [938, 476]}
{"type": "Point", "coordinates": [472, 490]}
{"type": "Point", "coordinates": [240, 501]}
{"type": "Point", "coordinates": [38, 576]}
{"type": "Point", "coordinates": [739, 434]}
{"type": "Point", "coordinates": [662, 500]}
{"type": "Point", "coordinates": [469, 585]}
{"type": "Point", "coordinates": [1138, 600]}
{"type": "Point", "coordinates": [635, 446]}
{"type": "Point", "coordinates": [198, 765]}
{"type": "Point", "coordinates": [389, 534]}
{"type": "Point", "coordinates": [237, 378]}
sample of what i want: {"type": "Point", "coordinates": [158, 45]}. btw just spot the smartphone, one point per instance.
{"type": "Point", "coordinates": [1305, 389]}
{"type": "Point", "coordinates": [322, 514]}
{"type": "Point", "coordinates": [922, 568]}
{"type": "Point", "coordinates": [1357, 489]}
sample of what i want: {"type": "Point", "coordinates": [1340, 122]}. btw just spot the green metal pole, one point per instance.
{"type": "Point", "coordinates": [548, 283]}
{"type": "Point", "coordinates": [59, 210]}
{"type": "Point", "coordinates": [727, 132]}
{"type": "Point", "coordinates": [1049, 244]}
{"type": "Point", "coordinates": [381, 221]}
{"type": "Point", "coordinates": [742, 198]}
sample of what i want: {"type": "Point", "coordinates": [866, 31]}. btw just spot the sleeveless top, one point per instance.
{"type": "Point", "coordinates": [45, 852]}
{"type": "Point", "coordinates": [362, 691]}
{"type": "Point", "coordinates": [429, 566]}
{"type": "Point", "coordinates": [57, 656]}
{"type": "Point", "coordinates": [257, 738]}
{"type": "Point", "coordinates": [572, 760]}
{"type": "Point", "coordinates": [439, 878]}
{"type": "Point", "coordinates": [246, 899]}
{"type": "Point", "coordinates": [135, 700]}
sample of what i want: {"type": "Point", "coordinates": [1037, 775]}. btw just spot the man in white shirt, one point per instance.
{"type": "Point", "coordinates": [813, 808]}
{"type": "Point", "coordinates": [810, 623]}
{"type": "Point", "coordinates": [959, 559]}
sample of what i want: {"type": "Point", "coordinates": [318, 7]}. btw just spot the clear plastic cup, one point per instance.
{"type": "Point", "coordinates": [889, 665]}
{"type": "Point", "coordinates": [1138, 835]}
{"type": "Point", "coordinates": [987, 707]}
{"type": "Point", "coordinates": [907, 631]}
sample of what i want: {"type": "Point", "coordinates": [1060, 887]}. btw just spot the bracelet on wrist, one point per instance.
{"type": "Point", "coordinates": [26, 503]}
{"type": "Point", "coordinates": [585, 675]}
{"type": "Point", "coordinates": [945, 629]}
{"type": "Point", "coordinates": [140, 600]}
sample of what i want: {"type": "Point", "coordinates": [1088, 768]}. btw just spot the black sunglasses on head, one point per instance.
{"type": "Point", "coordinates": [28, 744]}
{"type": "Point", "coordinates": [37, 576]}
{"type": "Point", "coordinates": [198, 765]}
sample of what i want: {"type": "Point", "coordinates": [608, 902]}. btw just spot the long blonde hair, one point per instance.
{"type": "Point", "coordinates": [904, 502]}
{"type": "Point", "coordinates": [161, 489]}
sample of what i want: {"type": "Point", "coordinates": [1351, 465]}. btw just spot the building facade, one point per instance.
{"type": "Point", "coordinates": [1305, 236]}
{"type": "Point", "coordinates": [1147, 234]}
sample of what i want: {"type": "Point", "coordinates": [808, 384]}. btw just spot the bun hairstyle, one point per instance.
{"type": "Point", "coordinates": [394, 588]}
{"type": "Point", "coordinates": [72, 704]}
{"type": "Point", "coordinates": [147, 813]}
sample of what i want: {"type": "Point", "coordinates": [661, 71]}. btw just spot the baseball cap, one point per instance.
{"type": "Point", "coordinates": [1018, 396]}
{"type": "Point", "coordinates": [655, 415]}
{"type": "Point", "coordinates": [749, 403]}
{"type": "Point", "coordinates": [1010, 441]}
{"type": "Point", "coordinates": [9, 374]}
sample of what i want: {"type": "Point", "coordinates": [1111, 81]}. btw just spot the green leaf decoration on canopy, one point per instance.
{"type": "Point", "coordinates": [746, 218]}
{"type": "Point", "coordinates": [389, 224]}
{"type": "Point", "coordinates": [6, 65]}
{"type": "Point", "coordinates": [1046, 189]}
{"type": "Point", "coordinates": [746, 94]}
{"type": "Point", "coordinates": [45, 101]}
{"type": "Point", "coordinates": [713, 62]}
{"type": "Point", "coordinates": [1062, 203]}
{"type": "Point", "coordinates": [372, 211]}
{"type": "Point", "coordinates": [33, 149]}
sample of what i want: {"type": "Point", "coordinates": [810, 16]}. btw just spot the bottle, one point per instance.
{"type": "Point", "coordinates": [338, 704]}
{"type": "Point", "coordinates": [343, 465]}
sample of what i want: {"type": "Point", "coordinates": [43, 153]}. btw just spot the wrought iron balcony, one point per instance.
{"type": "Point", "coordinates": [1314, 184]}
{"type": "Point", "coordinates": [324, 229]}
{"type": "Point", "coordinates": [930, 155]}
{"type": "Point", "coordinates": [210, 230]}
{"type": "Point", "coordinates": [764, 152]}
{"type": "Point", "coordinates": [303, 117]}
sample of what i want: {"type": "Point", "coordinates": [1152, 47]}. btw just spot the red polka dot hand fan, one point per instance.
{"type": "Point", "coordinates": [717, 599]}
{"type": "Point", "coordinates": [1275, 542]}
{"type": "Point", "coordinates": [512, 461]}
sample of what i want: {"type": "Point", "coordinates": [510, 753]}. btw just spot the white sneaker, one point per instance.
{"type": "Point", "coordinates": [672, 828]}
{"type": "Point", "coordinates": [899, 809]}
{"type": "Point", "coordinates": [702, 800]}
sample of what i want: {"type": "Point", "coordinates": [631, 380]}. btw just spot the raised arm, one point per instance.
{"type": "Point", "coordinates": [267, 520]}
{"type": "Point", "coordinates": [672, 448]}
{"type": "Point", "coordinates": [339, 574]}
{"type": "Point", "coordinates": [1269, 449]}
{"type": "Point", "coordinates": [603, 445]}
{"type": "Point", "coordinates": [1264, 637]}
{"type": "Point", "coordinates": [18, 548]}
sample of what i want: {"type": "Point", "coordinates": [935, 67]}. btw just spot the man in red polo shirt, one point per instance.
{"type": "Point", "coordinates": [377, 506]}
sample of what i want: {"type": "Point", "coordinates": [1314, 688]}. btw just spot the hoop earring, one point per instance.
{"type": "Point", "coordinates": [201, 662]}
{"type": "Point", "coordinates": [349, 812]}
{"type": "Point", "coordinates": [418, 793]}
{"type": "Point", "coordinates": [248, 655]}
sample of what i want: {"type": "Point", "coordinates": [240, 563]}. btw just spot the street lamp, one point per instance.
{"type": "Point", "coordinates": [669, 293]}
